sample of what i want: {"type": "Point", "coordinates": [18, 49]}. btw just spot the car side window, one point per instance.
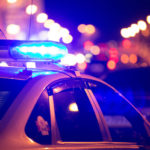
{"type": "Point", "coordinates": [124, 123]}
{"type": "Point", "coordinates": [38, 125]}
{"type": "Point", "coordinates": [74, 114]}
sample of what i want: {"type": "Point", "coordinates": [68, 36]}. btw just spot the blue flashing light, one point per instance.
{"type": "Point", "coordinates": [39, 51]}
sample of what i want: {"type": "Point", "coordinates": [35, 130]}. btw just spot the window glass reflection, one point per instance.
{"type": "Point", "coordinates": [75, 116]}
{"type": "Point", "coordinates": [124, 123]}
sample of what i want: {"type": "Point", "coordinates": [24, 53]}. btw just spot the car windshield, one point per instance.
{"type": "Point", "coordinates": [9, 89]}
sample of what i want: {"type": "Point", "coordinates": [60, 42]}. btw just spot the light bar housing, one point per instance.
{"type": "Point", "coordinates": [38, 50]}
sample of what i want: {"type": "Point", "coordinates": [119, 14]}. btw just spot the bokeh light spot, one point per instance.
{"type": "Point", "coordinates": [42, 17]}
{"type": "Point", "coordinates": [111, 64]}
{"type": "Point", "coordinates": [124, 58]}
{"type": "Point", "coordinates": [63, 32]}
{"type": "Point", "coordinates": [82, 66]}
{"type": "Point", "coordinates": [67, 39]}
{"type": "Point", "coordinates": [142, 25]}
{"type": "Point", "coordinates": [88, 57]}
{"type": "Point", "coordinates": [135, 29]}
{"type": "Point", "coordinates": [31, 9]}
{"type": "Point", "coordinates": [125, 33]}
{"type": "Point", "coordinates": [146, 33]}
{"type": "Point", "coordinates": [90, 29]}
{"type": "Point", "coordinates": [13, 29]}
{"type": "Point", "coordinates": [68, 60]}
{"type": "Point", "coordinates": [48, 23]}
{"type": "Point", "coordinates": [55, 27]}
{"type": "Point", "coordinates": [126, 43]}
{"type": "Point", "coordinates": [81, 28]}
{"type": "Point", "coordinates": [95, 50]}
{"type": "Point", "coordinates": [133, 58]}
{"type": "Point", "coordinates": [80, 58]}
{"type": "Point", "coordinates": [87, 45]}
{"type": "Point", "coordinates": [148, 19]}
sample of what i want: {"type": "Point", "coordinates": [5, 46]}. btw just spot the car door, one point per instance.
{"type": "Point", "coordinates": [80, 112]}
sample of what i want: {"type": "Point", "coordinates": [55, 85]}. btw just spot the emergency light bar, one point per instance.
{"type": "Point", "coordinates": [38, 51]}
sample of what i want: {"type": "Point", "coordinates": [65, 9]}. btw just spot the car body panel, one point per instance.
{"type": "Point", "coordinates": [12, 126]}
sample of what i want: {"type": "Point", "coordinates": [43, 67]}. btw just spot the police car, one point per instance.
{"type": "Point", "coordinates": [59, 108]}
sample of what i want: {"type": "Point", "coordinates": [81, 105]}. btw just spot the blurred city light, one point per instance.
{"type": "Point", "coordinates": [69, 60]}
{"type": "Point", "coordinates": [124, 58]}
{"type": "Point", "coordinates": [53, 33]}
{"type": "Point", "coordinates": [73, 107]}
{"type": "Point", "coordinates": [90, 29]}
{"type": "Point", "coordinates": [48, 23]}
{"type": "Point", "coordinates": [82, 66]}
{"type": "Point", "coordinates": [63, 32]}
{"type": "Point", "coordinates": [125, 33]}
{"type": "Point", "coordinates": [31, 9]}
{"type": "Point", "coordinates": [53, 36]}
{"type": "Point", "coordinates": [88, 57]}
{"type": "Point", "coordinates": [55, 27]}
{"type": "Point", "coordinates": [135, 28]}
{"type": "Point", "coordinates": [95, 50]}
{"type": "Point", "coordinates": [148, 19]}
{"type": "Point", "coordinates": [142, 25]}
{"type": "Point", "coordinates": [111, 64]}
{"type": "Point", "coordinates": [42, 17]}
{"type": "Point", "coordinates": [56, 32]}
{"type": "Point", "coordinates": [13, 29]}
{"type": "Point", "coordinates": [133, 58]}
{"type": "Point", "coordinates": [113, 54]}
{"type": "Point", "coordinates": [131, 32]}
{"type": "Point", "coordinates": [67, 39]}
{"type": "Point", "coordinates": [81, 28]}
{"type": "Point", "coordinates": [80, 58]}
{"type": "Point", "coordinates": [87, 45]}
{"type": "Point", "coordinates": [146, 33]}
{"type": "Point", "coordinates": [126, 43]}
{"type": "Point", "coordinates": [11, 1]}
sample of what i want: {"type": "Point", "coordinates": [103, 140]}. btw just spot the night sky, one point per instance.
{"type": "Point", "coordinates": [109, 16]}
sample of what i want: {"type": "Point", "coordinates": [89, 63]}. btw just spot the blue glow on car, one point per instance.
{"type": "Point", "coordinates": [39, 51]}
{"type": "Point", "coordinates": [35, 74]}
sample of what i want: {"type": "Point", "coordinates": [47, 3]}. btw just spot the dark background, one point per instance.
{"type": "Point", "coordinates": [109, 16]}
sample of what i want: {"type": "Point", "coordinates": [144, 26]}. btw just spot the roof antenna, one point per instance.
{"type": "Point", "coordinates": [30, 19]}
